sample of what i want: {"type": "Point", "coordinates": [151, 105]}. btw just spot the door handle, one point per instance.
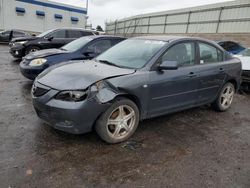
{"type": "Point", "coordinates": [191, 75]}
{"type": "Point", "coordinates": [221, 70]}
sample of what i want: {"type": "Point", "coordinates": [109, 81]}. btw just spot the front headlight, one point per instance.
{"type": "Point", "coordinates": [37, 62]}
{"type": "Point", "coordinates": [21, 42]}
{"type": "Point", "coordinates": [72, 96]}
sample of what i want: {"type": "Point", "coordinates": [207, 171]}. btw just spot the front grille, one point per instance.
{"type": "Point", "coordinates": [246, 73]}
{"type": "Point", "coordinates": [38, 91]}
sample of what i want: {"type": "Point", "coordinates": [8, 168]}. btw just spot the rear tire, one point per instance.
{"type": "Point", "coordinates": [118, 122]}
{"type": "Point", "coordinates": [225, 98]}
{"type": "Point", "coordinates": [31, 49]}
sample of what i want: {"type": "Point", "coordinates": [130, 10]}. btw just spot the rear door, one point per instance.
{"type": "Point", "coordinates": [211, 71]}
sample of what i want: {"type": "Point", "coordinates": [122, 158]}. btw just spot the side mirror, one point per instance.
{"type": "Point", "coordinates": [168, 65]}
{"type": "Point", "coordinates": [49, 38]}
{"type": "Point", "coordinates": [89, 54]}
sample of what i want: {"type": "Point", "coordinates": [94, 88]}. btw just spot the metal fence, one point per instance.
{"type": "Point", "coordinates": [230, 17]}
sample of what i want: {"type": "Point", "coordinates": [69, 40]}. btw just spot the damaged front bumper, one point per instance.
{"type": "Point", "coordinates": [71, 117]}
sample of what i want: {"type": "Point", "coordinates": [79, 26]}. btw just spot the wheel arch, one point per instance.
{"type": "Point", "coordinates": [234, 82]}
{"type": "Point", "coordinates": [135, 99]}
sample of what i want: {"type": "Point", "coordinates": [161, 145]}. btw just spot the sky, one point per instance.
{"type": "Point", "coordinates": [101, 11]}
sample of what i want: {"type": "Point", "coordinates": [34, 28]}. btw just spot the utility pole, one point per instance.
{"type": "Point", "coordinates": [87, 5]}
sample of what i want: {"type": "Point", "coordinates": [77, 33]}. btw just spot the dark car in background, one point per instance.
{"type": "Point", "coordinates": [54, 38]}
{"type": "Point", "coordinates": [231, 47]}
{"type": "Point", "coordinates": [137, 79]}
{"type": "Point", "coordinates": [8, 35]}
{"type": "Point", "coordinates": [80, 49]}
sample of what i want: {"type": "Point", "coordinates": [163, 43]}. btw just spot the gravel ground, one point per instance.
{"type": "Point", "coordinates": [197, 148]}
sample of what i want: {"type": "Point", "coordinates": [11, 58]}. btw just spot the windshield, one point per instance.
{"type": "Point", "coordinates": [77, 44]}
{"type": "Point", "coordinates": [245, 52]}
{"type": "Point", "coordinates": [132, 53]}
{"type": "Point", "coordinates": [45, 33]}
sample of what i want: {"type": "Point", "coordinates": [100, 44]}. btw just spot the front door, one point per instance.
{"type": "Point", "coordinates": [172, 90]}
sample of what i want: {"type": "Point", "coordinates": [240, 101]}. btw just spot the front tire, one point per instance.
{"type": "Point", "coordinates": [225, 98]}
{"type": "Point", "coordinates": [118, 122]}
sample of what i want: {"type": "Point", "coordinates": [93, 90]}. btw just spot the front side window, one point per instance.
{"type": "Point", "coordinates": [183, 54]}
{"type": "Point", "coordinates": [209, 54]}
{"type": "Point", "coordinates": [132, 53]}
{"type": "Point", "coordinates": [99, 46]}
{"type": "Point", "coordinates": [45, 34]}
{"type": "Point", "coordinates": [59, 34]}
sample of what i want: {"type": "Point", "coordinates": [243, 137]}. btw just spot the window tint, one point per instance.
{"type": "Point", "coordinates": [86, 33]}
{"type": "Point", "coordinates": [183, 53]}
{"type": "Point", "coordinates": [209, 54]}
{"type": "Point", "coordinates": [74, 34]}
{"type": "Point", "coordinates": [18, 33]}
{"type": "Point", "coordinates": [116, 41]}
{"type": "Point", "coordinates": [6, 32]}
{"type": "Point", "coordinates": [99, 46]}
{"type": "Point", "coordinates": [59, 34]}
{"type": "Point", "coordinates": [232, 46]}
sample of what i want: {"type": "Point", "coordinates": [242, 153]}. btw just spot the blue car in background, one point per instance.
{"type": "Point", "coordinates": [231, 47]}
{"type": "Point", "coordinates": [81, 49]}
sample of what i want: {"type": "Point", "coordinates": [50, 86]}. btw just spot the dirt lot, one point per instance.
{"type": "Point", "coordinates": [197, 148]}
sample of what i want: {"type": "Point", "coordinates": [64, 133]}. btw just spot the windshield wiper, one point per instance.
{"type": "Point", "coordinates": [110, 63]}
{"type": "Point", "coordinates": [63, 49]}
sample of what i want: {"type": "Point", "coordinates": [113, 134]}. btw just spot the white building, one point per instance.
{"type": "Point", "coordinates": [39, 15]}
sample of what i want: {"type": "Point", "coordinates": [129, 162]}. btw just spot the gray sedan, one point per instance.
{"type": "Point", "coordinates": [137, 79]}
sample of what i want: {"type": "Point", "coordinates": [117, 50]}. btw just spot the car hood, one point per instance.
{"type": "Point", "coordinates": [18, 39]}
{"type": "Point", "coordinates": [45, 53]}
{"type": "Point", "coordinates": [79, 75]}
{"type": "Point", "coordinates": [245, 61]}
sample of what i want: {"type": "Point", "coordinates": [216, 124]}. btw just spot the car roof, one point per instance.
{"type": "Point", "coordinates": [168, 38]}
{"type": "Point", "coordinates": [74, 28]}
{"type": "Point", "coordinates": [105, 36]}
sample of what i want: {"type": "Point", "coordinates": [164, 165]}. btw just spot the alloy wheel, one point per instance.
{"type": "Point", "coordinates": [121, 121]}
{"type": "Point", "coordinates": [227, 96]}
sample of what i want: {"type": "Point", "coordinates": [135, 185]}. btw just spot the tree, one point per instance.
{"type": "Point", "coordinates": [99, 28]}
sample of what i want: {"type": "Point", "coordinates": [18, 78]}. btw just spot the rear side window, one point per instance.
{"type": "Point", "coordinates": [74, 34]}
{"type": "Point", "coordinates": [19, 33]}
{"type": "Point", "coordinates": [116, 41]}
{"type": "Point", "coordinates": [232, 46]}
{"type": "Point", "coordinates": [6, 33]}
{"type": "Point", "coordinates": [59, 34]}
{"type": "Point", "coordinates": [209, 54]}
{"type": "Point", "coordinates": [99, 46]}
{"type": "Point", "coordinates": [183, 53]}
{"type": "Point", "coordinates": [86, 33]}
